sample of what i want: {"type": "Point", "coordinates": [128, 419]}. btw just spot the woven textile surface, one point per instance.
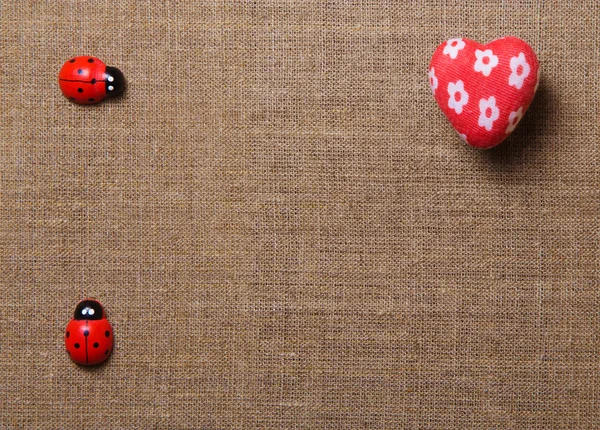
{"type": "Point", "coordinates": [284, 229]}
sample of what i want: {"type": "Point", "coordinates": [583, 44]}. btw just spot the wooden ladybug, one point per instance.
{"type": "Point", "coordinates": [87, 80]}
{"type": "Point", "coordinates": [89, 335]}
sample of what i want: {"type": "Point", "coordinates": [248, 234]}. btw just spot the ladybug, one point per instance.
{"type": "Point", "coordinates": [89, 335]}
{"type": "Point", "coordinates": [87, 80]}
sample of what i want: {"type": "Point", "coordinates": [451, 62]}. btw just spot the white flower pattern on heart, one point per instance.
{"type": "Point", "coordinates": [453, 46]}
{"type": "Point", "coordinates": [484, 89]}
{"type": "Point", "coordinates": [486, 61]}
{"type": "Point", "coordinates": [463, 97]}
{"type": "Point", "coordinates": [513, 120]}
{"type": "Point", "coordinates": [485, 106]}
{"type": "Point", "coordinates": [520, 71]}
{"type": "Point", "coordinates": [433, 80]}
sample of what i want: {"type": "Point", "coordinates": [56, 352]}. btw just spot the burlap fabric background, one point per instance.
{"type": "Point", "coordinates": [284, 229]}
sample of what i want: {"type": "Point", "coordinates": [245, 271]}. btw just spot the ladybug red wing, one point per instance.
{"type": "Point", "coordinates": [82, 80]}
{"type": "Point", "coordinates": [100, 341]}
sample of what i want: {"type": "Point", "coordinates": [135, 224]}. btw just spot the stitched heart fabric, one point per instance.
{"type": "Point", "coordinates": [484, 90]}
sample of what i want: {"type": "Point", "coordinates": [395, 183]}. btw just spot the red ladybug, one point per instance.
{"type": "Point", "coordinates": [89, 335]}
{"type": "Point", "coordinates": [87, 80]}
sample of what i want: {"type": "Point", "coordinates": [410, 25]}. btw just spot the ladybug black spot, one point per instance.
{"type": "Point", "coordinates": [79, 90]}
{"type": "Point", "coordinates": [68, 334]}
{"type": "Point", "coordinates": [72, 98]}
{"type": "Point", "coordinates": [93, 81]}
{"type": "Point", "coordinates": [72, 60]}
{"type": "Point", "coordinates": [76, 346]}
{"type": "Point", "coordinates": [91, 100]}
{"type": "Point", "coordinates": [96, 344]}
{"type": "Point", "coordinates": [90, 60]}
{"type": "Point", "coordinates": [86, 332]}
{"type": "Point", "coordinates": [106, 352]}
{"type": "Point", "coordinates": [68, 352]}
{"type": "Point", "coordinates": [107, 333]}
{"type": "Point", "coordinates": [79, 72]}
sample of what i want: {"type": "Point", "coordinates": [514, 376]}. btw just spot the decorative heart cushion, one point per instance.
{"type": "Point", "coordinates": [484, 90]}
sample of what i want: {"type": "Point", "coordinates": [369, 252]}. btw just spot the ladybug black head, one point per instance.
{"type": "Point", "coordinates": [89, 310]}
{"type": "Point", "coordinates": [115, 81]}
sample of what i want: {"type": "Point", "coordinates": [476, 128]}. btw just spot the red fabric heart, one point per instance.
{"type": "Point", "coordinates": [484, 90]}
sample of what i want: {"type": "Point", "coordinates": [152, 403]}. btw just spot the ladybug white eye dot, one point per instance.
{"type": "Point", "coordinates": [91, 312]}
{"type": "Point", "coordinates": [110, 88]}
{"type": "Point", "coordinates": [110, 79]}
{"type": "Point", "coordinates": [85, 311]}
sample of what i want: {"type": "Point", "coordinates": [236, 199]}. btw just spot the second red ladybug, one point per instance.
{"type": "Point", "coordinates": [89, 335]}
{"type": "Point", "coordinates": [87, 80]}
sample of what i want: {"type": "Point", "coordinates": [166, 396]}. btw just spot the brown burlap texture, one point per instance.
{"type": "Point", "coordinates": [285, 230]}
